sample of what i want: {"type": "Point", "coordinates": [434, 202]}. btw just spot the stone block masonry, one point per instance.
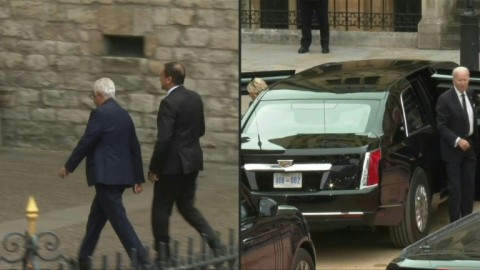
{"type": "Point", "coordinates": [51, 51]}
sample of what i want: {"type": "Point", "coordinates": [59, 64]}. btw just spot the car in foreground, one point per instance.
{"type": "Point", "coordinates": [456, 246]}
{"type": "Point", "coordinates": [351, 144]}
{"type": "Point", "coordinates": [273, 236]}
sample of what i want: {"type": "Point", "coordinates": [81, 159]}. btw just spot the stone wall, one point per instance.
{"type": "Point", "coordinates": [52, 50]}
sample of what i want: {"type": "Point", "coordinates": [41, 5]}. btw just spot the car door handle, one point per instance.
{"type": "Point", "coordinates": [247, 241]}
{"type": "Point", "coordinates": [405, 157]}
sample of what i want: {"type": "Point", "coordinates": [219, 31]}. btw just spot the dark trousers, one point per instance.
{"type": "Point", "coordinates": [321, 9]}
{"type": "Point", "coordinates": [178, 189]}
{"type": "Point", "coordinates": [108, 205]}
{"type": "Point", "coordinates": [461, 185]}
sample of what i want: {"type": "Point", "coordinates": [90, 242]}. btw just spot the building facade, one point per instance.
{"type": "Point", "coordinates": [51, 51]}
{"type": "Point", "coordinates": [424, 24]}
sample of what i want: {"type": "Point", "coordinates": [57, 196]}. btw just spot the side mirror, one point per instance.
{"type": "Point", "coordinates": [267, 207]}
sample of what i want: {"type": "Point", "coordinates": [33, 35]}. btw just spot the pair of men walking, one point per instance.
{"type": "Point", "coordinates": [114, 163]}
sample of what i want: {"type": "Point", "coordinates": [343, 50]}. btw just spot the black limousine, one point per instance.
{"type": "Point", "coordinates": [351, 143]}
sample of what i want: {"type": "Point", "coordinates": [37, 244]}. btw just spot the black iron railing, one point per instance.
{"type": "Point", "coordinates": [41, 251]}
{"type": "Point", "coordinates": [365, 15]}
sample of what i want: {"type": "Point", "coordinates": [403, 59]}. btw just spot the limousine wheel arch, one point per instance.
{"type": "Point", "coordinates": [416, 220]}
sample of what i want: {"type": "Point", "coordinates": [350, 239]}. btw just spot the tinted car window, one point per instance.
{"type": "Point", "coordinates": [277, 119]}
{"type": "Point", "coordinates": [454, 242]}
{"type": "Point", "coordinates": [415, 119]}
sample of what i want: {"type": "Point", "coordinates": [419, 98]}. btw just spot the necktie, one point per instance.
{"type": "Point", "coordinates": [464, 105]}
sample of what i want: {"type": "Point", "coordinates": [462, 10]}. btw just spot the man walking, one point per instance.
{"type": "Point", "coordinates": [177, 158]}
{"type": "Point", "coordinates": [456, 123]}
{"type": "Point", "coordinates": [113, 163]}
{"type": "Point", "coordinates": [306, 10]}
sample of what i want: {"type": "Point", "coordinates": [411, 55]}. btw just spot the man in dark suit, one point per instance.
{"type": "Point", "coordinates": [113, 163]}
{"type": "Point", "coordinates": [306, 12]}
{"type": "Point", "coordinates": [459, 142]}
{"type": "Point", "coordinates": [177, 158]}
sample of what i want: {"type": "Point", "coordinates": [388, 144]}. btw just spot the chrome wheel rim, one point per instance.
{"type": "Point", "coordinates": [302, 265]}
{"type": "Point", "coordinates": [421, 208]}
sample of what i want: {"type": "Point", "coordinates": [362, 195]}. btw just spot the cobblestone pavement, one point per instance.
{"type": "Point", "coordinates": [64, 203]}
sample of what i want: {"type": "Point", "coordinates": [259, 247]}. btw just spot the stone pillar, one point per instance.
{"type": "Point", "coordinates": [292, 7]}
{"type": "Point", "coordinates": [469, 40]}
{"type": "Point", "coordinates": [436, 15]}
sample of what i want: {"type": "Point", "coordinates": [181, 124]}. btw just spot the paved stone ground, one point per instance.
{"type": "Point", "coordinates": [64, 203]}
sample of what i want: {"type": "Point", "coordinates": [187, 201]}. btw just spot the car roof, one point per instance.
{"type": "Point", "coordinates": [362, 76]}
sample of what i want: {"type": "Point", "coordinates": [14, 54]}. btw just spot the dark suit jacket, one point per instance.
{"type": "Point", "coordinates": [451, 124]}
{"type": "Point", "coordinates": [111, 148]}
{"type": "Point", "coordinates": [180, 123]}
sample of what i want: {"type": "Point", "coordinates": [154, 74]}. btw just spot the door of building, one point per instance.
{"type": "Point", "coordinates": [274, 14]}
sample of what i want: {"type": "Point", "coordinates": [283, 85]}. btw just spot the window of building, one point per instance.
{"type": "Point", "coordinates": [128, 46]}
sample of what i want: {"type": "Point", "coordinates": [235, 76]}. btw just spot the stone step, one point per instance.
{"type": "Point", "coordinates": [451, 42]}
{"type": "Point", "coordinates": [339, 38]}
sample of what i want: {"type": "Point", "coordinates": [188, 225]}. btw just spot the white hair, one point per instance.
{"type": "Point", "coordinates": [105, 86]}
{"type": "Point", "coordinates": [458, 69]}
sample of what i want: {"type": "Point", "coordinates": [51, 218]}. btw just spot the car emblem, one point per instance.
{"type": "Point", "coordinates": [285, 163]}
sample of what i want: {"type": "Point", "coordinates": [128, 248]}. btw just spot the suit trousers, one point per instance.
{"type": "Point", "coordinates": [321, 9]}
{"type": "Point", "coordinates": [108, 205]}
{"type": "Point", "coordinates": [461, 185]}
{"type": "Point", "coordinates": [179, 189]}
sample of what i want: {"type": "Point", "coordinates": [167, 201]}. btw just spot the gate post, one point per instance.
{"type": "Point", "coordinates": [469, 37]}
{"type": "Point", "coordinates": [32, 216]}
{"type": "Point", "coordinates": [436, 15]}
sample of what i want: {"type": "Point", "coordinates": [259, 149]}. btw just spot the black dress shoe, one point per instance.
{"type": "Point", "coordinates": [325, 50]}
{"type": "Point", "coordinates": [84, 264]}
{"type": "Point", "coordinates": [303, 49]}
{"type": "Point", "coordinates": [145, 266]}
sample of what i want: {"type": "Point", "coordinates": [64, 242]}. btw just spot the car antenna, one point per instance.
{"type": "Point", "coordinates": [324, 123]}
{"type": "Point", "coordinates": [258, 130]}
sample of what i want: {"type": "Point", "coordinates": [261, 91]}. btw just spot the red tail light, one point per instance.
{"type": "Point", "coordinates": [373, 167]}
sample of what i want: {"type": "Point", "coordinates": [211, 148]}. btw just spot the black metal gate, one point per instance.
{"type": "Point", "coordinates": [274, 14]}
{"type": "Point", "coordinates": [41, 252]}
{"type": "Point", "coordinates": [406, 14]}
{"type": "Point", "coordinates": [344, 14]}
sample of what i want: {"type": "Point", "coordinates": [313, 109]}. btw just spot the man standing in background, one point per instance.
{"type": "Point", "coordinates": [307, 7]}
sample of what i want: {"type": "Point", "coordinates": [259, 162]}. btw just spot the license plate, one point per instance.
{"type": "Point", "coordinates": [287, 180]}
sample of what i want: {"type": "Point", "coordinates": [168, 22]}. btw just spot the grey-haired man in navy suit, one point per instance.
{"type": "Point", "coordinates": [113, 163]}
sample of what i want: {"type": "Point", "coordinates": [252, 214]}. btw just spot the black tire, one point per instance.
{"type": "Point", "coordinates": [416, 219]}
{"type": "Point", "coordinates": [303, 261]}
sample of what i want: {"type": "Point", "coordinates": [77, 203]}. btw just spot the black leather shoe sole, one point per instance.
{"type": "Point", "coordinates": [325, 50]}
